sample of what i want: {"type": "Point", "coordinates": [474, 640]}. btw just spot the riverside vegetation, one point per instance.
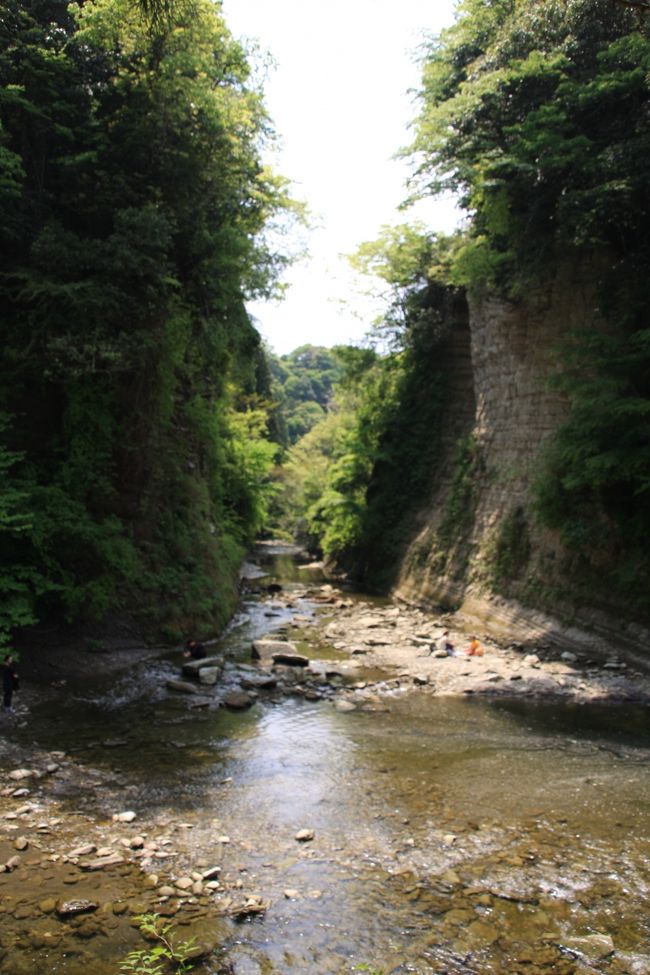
{"type": "Point", "coordinates": [140, 417]}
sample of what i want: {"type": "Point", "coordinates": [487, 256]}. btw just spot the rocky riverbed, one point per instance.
{"type": "Point", "coordinates": [85, 848]}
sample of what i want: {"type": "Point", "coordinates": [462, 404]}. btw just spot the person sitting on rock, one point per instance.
{"type": "Point", "coordinates": [195, 650]}
{"type": "Point", "coordinates": [444, 643]}
{"type": "Point", "coordinates": [474, 649]}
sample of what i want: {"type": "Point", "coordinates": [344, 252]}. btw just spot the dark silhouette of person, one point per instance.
{"type": "Point", "coordinates": [195, 650]}
{"type": "Point", "coordinates": [9, 681]}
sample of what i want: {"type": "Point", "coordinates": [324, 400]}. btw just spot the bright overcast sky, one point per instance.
{"type": "Point", "coordinates": [339, 99]}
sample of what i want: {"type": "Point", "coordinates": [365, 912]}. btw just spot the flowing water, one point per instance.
{"type": "Point", "coordinates": [451, 835]}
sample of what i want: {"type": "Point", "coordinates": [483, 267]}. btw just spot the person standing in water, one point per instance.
{"type": "Point", "coordinates": [9, 682]}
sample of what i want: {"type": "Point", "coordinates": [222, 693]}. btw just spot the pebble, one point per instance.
{"type": "Point", "coordinates": [184, 883]}
{"type": "Point", "coordinates": [124, 817]}
{"type": "Point", "coordinates": [305, 835]}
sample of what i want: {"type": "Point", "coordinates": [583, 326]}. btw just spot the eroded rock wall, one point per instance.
{"type": "Point", "coordinates": [480, 548]}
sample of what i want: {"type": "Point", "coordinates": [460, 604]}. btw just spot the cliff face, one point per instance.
{"type": "Point", "coordinates": [480, 548]}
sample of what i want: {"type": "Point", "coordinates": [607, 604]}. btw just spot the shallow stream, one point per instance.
{"type": "Point", "coordinates": [450, 835]}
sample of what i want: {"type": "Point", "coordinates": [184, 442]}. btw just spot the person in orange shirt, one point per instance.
{"type": "Point", "coordinates": [474, 649]}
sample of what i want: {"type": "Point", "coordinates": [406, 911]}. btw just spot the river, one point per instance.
{"type": "Point", "coordinates": [450, 834]}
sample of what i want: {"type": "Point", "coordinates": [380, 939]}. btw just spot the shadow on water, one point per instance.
{"type": "Point", "coordinates": [607, 724]}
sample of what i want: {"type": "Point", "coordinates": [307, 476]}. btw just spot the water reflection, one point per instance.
{"type": "Point", "coordinates": [450, 835]}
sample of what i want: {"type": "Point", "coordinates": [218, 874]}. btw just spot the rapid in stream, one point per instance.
{"type": "Point", "coordinates": [450, 834]}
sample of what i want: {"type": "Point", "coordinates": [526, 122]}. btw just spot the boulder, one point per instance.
{"type": "Point", "coordinates": [289, 659]}
{"type": "Point", "coordinates": [210, 675]}
{"type": "Point", "coordinates": [237, 700]}
{"type": "Point", "coordinates": [264, 649]}
{"type": "Point", "coordinates": [259, 682]}
{"type": "Point", "coordinates": [193, 667]}
{"type": "Point", "coordinates": [182, 687]}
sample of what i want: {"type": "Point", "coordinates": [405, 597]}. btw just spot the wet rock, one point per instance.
{"type": "Point", "coordinates": [182, 687]}
{"type": "Point", "coordinates": [184, 883]}
{"type": "Point", "coordinates": [290, 659]}
{"type": "Point", "coordinates": [343, 705]}
{"type": "Point", "coordinates": [238, 700]}
{"type": "Point", "coordinates": [208, 676]}
{"type": "Point", "coordinates": [253, 905]}
{"type": "Point", "coordinates": [19, 774]}
{"type": "Point", "coordinates": [102, 863]}
{"type": "Point", "coordinates": [82, 851]}
{"type": "Point", "coordinates": [124, 817]}
{"type": "Point", "coordinates": [259, 682]}
{"type": "Point", "coordinates": [21, 843]}
{"type": "Point", "coordinates": [166, 891]}
{"type": "Point", "coordinates": [193, 668]}
{"type": "Point", "coordinates": [47, 905]}
{"type": "Point", "coordinates": [482, 932]}
{"type": "Point", "coordinates": [11, 864]}
{"type": "Point", "coordinates": [291, 894]}
{"type": "Point", "coordinates": [592, 945]}
{"type": "Point", "coordinates": [305, 835]}
{"type": "Point", "coordinates": [264, 649]}
{"type": "Point", "coordinates": [74, 907]}
{"type": "Point", "coordinates": [211, 873]}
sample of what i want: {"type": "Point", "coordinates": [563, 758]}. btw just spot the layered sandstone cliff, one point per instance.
{"type": "Point", "coordinates": [481, 548]}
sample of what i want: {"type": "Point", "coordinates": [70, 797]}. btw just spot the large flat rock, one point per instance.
{"type": "Point", "coordinates": [192, 667]}
{"type": "Point", "coordinates": [265, 649]}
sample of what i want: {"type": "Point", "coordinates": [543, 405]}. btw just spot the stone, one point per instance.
{"type": "Point", "coordinates": [102, 863]}
{"type": "Point", "coordinates": [290, 659]}
{"type": "Point", "coordinates": [592, 945]}
{"type": "Point", "coordinates": [568, 657]}
{"type": "Point", "coordinates": [305, 835]}
{"type": "Point", "coordinates": [211, 873]}
{"type": "Point", "coordinates": [82, 851]}
{"type": "Point", "coordinates": [184, 883]}
{"type": "Point", "coordinates": [264, 649]}
{"type": "Point", "coordinates": [12, 863]}
{"type": "Point", "coordinates": [291, 894]}
{"type": "Point", "coordinates": [485, 933]}
{"type": "Point", "coordinates": [21, 773]}
{"type": "Point", "coordinates": [166, 891]}
{"type": "Point", "coordinates": [48, 905]}
{"type": "Point", "coordinates": [210, 675]}
{"type": "Point", "coordinates": [21, 843]}
{"type": "Point", "coordinates": [124, 817]}
{"type": "Point", "coordinates": [238, 700]}
{"type": "Point", "coordinates": [71, 908]}
{"type": "Point", "coordinates": [259, 681]}
{"type": "Point", "coordinates": [193, 668]}
{"type": "Point", "coordinates": [182, 687]}
{"type": "Point", "coordinates": [342, 705]}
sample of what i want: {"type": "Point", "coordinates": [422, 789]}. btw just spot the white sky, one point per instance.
{"type": "Point", "coordinates": [339, 100]}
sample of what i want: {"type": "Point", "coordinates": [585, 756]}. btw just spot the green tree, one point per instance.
{"type": "Point", "coordinates": [135, 208]}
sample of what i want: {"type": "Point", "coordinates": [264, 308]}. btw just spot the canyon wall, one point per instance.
{"type": "Point", "coordinates": [480, 548]}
